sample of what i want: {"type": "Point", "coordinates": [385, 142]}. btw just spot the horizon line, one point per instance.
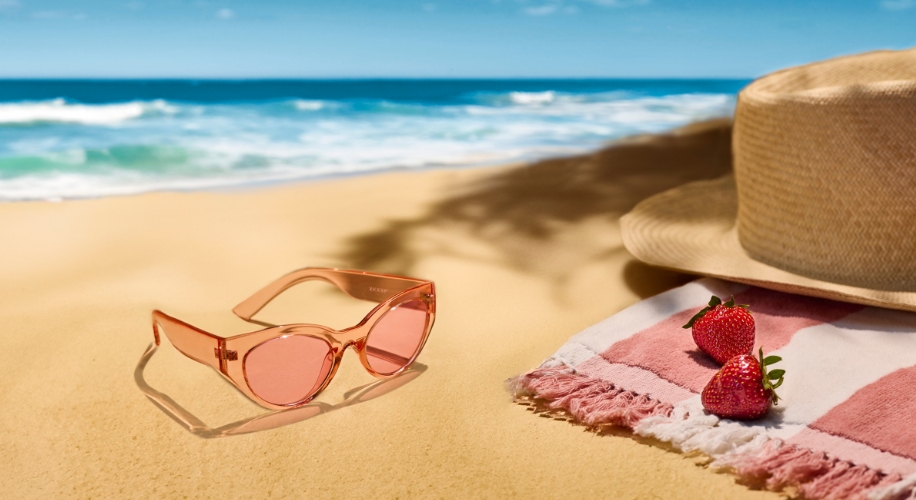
{"type": "Point", "coordinates": [356, 78]}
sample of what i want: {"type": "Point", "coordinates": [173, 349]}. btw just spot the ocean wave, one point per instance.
{"type": "Point", "coordinates": [634, 110]}
{"type": "Point", "coordinates": [138, 146]}
{"type": "Point", "coordinates": [221, 163]}
{"type": "Point", "coordinates": [80, 174]}
{"type": "Point", "coordinates": [61, 111]}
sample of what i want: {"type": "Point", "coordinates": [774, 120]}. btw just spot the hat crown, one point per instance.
{"type": "Point", "coordinates": [825, 166]}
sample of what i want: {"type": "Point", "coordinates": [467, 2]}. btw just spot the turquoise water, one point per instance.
{"type": "Point", "coordinates": [75, 139]}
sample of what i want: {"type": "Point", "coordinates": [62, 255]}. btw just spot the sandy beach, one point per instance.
{"type": "Point", "coordinates": [523, 257]}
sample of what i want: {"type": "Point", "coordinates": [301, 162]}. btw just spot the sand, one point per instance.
{"type": "Point", "coordinates": [523, 257]}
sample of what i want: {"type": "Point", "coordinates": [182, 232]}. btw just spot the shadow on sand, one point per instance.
{"type": "Point", "coordinates": [273, 419]}
{"type": "Point", "coordinates": [553, 216]}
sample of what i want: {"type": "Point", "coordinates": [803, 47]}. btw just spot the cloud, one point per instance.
{"type": "Point", "coordinates": [571, 7]}
{"type": "Point", "coordinates": [543, 10]}
{"type": "Point", "coordinates": [49, 14]}
{"type": "Point", "coordinates": [898, 4]}
{"type": "Point", "coordinates": [428, 7]}
{"type": "Point", "coordinates": [9, 4]}
{"type": "Point", "coordinates": [225, 14]}
{"type": "Point", "coordinates": [618, 3]}
{"type": "Point", "coordinates": [58, 14]}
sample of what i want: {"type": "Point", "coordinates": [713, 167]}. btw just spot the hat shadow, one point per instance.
{"type": "Point", "coordinates": [554, 216]}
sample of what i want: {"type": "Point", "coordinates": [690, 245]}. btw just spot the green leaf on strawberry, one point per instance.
{"type": "Point", "coordinates": [769, 360]}
{"type": "Point", "coordinates": [771, 380]}
{"type": "Point", "coordinates": [713, 302]}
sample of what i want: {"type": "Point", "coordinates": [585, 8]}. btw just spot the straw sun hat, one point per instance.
{"type": "Point", "coordinates": [822, 201]}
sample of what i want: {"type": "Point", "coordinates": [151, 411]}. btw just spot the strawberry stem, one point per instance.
{"type": "Point", "coordinates": [713, 302]}
{"type": "Point", "coordinates": [767, 379]}
{"type": "Point", "coordinates": [731, 303]}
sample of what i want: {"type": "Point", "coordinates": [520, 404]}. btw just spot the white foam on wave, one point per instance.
{"type": "Point", "coordinates": [61, 111]}
{"type": "Point", "coordinates": [76, 185]}
{"type": "Point", "coordinates": [308, 105]}
{"type": "Point", "coordinates": [59, 186]}
{"type": "Point", "coordinates": [633, 110]}
{"type": "Point", "coordinates": [216, 166]}
{"type": "Point", "coordinates": [532, 98]}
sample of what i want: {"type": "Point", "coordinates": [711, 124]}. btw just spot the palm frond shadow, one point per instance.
{"type": "Point", "coordinates": [553, 216]}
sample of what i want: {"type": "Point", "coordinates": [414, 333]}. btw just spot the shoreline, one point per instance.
{"type": "Point", "coordinates": [488, 166]}
{"type": "Point", "coordinates": [268, 184]}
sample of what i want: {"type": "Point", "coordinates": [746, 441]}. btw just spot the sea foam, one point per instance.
{"type": "Point", "coordinates": [61, 111]}
{"type": "Point", "coordinates": [308, 105]}
{"type": "Point", "coordinates": [532, 97]}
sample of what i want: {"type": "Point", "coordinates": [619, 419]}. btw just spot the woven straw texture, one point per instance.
{"type": "Point", "coordinates": [825, 164]}
{"type": "Point", "coordinates": [823, 200]}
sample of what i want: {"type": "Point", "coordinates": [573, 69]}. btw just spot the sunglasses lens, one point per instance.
{"type": "Point", "coordinates": [289, 369]}
{"type": "Point", "coordinates": [394, 341]}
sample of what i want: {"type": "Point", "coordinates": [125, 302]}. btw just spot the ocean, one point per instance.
{"type": "Point", "coordinates": [63, 139]}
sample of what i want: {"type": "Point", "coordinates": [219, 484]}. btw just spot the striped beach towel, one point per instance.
{"type": "Point", "coordinates": [844, 428]}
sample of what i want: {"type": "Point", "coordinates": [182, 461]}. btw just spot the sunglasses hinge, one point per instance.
{"type": "Point", "coordinates": [226, 354]}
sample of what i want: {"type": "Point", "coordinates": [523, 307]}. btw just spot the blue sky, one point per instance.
{"type": "Point", "coordinates": [438, 38]}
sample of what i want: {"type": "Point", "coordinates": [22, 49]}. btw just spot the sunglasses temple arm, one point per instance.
{"type": "Point", "coordinates": [357, 284]}
{"type": "Point", "coordinates": [193, 342]}
{"type": "Point", "coordinates": [387, 356]}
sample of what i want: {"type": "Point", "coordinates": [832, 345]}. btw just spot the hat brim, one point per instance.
{"type": "Point", "coordinates": [692, 228]}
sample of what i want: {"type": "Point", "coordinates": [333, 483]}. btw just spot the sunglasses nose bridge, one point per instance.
{"type": "Point", "coordinates": [352, 337]}
{"type": "Point", "coordinates": [356, 344]}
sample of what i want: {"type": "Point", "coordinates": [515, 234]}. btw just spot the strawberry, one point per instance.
{"type": "Point", "coordinates": [723, 330]}
{"type": "Point", "coordinates": [743, 389]}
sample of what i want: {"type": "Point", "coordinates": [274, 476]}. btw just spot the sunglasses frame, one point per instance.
{"type": "Point", "coordinates": [228, 355]}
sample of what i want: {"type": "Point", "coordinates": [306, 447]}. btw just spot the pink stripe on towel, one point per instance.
{"type": "Point", "coordinates": [668, 350]}
{"type": "Point", "coordinates": [639, 380]}
{"type": "Point", "coordinates": [872, 415]}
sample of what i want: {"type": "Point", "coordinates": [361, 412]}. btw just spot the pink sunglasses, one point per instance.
{"type": "Point", "coordinates": [288, 365]}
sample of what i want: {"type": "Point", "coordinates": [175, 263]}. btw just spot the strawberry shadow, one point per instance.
{"type": "Point", "coordinates": [703, 359]}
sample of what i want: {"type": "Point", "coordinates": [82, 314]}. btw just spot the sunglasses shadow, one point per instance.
{"type": "Point", "coordinates": [271, 420]}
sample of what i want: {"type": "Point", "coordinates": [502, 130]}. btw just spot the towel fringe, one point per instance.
{"type": "Point", "coordinates": [778, 465]}
{"type": "Point", "coordinates": [589, 401]}
{"type": "Point", "coordinates": [905, 489]}
{"type": "Point", "coordinates": [748, 452]}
